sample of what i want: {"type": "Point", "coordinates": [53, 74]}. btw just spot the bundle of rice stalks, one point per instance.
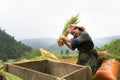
{"type": "Point", "coordinates": [72, 20]}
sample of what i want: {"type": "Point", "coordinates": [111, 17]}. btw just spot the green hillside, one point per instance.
{"type": "Point", "coordinates": [113, 49]}
{"type": "Point", "coordinates": [10, 48]}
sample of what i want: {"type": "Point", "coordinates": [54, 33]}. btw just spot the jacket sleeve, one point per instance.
{"type": "Point", "coordinates": [74, 43]}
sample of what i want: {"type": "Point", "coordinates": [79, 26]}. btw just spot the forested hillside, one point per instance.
{"type": "Point", "coordinates": [110, 50]}
{"type": "Point", "coordinates": [10, 48]}
{"type": "Point", "coordinates": [113, 47]}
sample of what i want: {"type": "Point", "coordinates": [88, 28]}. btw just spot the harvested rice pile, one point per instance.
{"type": "Point", "coordinates": [72, 20]}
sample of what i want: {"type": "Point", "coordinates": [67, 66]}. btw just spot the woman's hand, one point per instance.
{"type": "Point", "coordinates": [62, 37]}
{"type": "Point", "coordinates": [67, 41]}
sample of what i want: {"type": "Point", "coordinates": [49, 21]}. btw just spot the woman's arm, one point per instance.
{"type": "Point", "coordinates": [67, 41]}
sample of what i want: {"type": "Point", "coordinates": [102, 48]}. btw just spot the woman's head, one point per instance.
{"type": "Point", "coordinates": [75, 30]}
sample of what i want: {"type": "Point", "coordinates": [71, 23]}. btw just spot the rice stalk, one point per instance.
{"type": "Point", "coordinates": [72, 20]}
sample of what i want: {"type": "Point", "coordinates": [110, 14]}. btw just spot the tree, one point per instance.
{"type": "Point", "coordinates": [61, 52]}
{"type": "Point", "coordinates": [67, 51]}
{"type": "Point", "coordinates": [10, 48]}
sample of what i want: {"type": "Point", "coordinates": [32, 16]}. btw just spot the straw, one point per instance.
{"type": "Point", "coordinates": [72, 20]}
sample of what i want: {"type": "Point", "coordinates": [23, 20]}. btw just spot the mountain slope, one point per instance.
{"type": "Point", "coordinates": [105, 40]}
{"type": "Point", "coordinates": [37, 43]}
{"type": "Point", "coordinates": [47, 43]}
{"type": "Point", "coordinates": [10, 48]}
{"type": "Point", "coordinates": [51, 44]}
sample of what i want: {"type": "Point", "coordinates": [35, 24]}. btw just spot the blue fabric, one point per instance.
{"type": "Point", "coordinates": [74, 43]}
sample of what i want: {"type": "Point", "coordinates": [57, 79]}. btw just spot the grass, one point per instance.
{"type": "Point", "coordinates": [9, 75]}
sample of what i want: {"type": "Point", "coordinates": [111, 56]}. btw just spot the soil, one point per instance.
{"type": "Point", "coordinates": [69, 60]}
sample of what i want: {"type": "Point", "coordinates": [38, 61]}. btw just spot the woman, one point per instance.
{"type": "Point", "coordinates": [84, 44]}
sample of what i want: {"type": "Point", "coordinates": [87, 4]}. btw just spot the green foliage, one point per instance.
{"type": "Point", "coordinates": [61, 52]}
{"type": "Point", "coordinates": [67, 51]}
{"type": "Point", "coordinates": [113, 56]}
{"type": "Point", "coordinates": [113, 47]}
{"type": "Point", "coordinates": [72, 20]}
{"type": "Point", "coordinates": [9, 75]}
{"type": "Point", "coordinates": [10, 48]}
{"type": "Point", "coordinates": [31, 54]}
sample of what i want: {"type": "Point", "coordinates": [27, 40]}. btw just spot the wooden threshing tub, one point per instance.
{"type": "Point", "coordinates": [49, 70]}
